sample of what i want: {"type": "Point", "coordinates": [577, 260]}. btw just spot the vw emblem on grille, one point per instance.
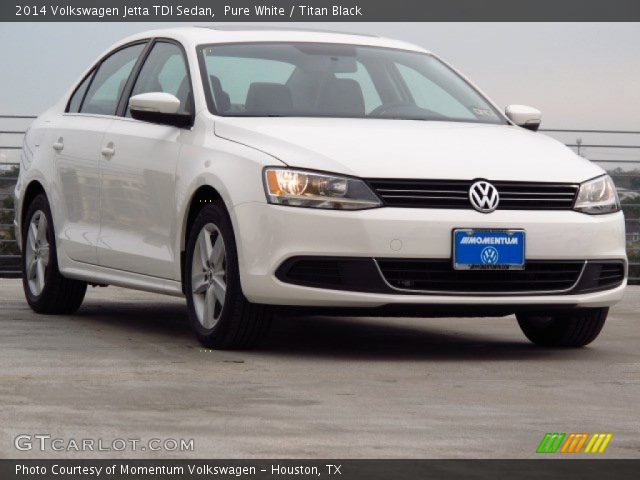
{"type": "Point", "coordinates": [489, 256]}
{"type": "Point", "coordinates": [483, 196]}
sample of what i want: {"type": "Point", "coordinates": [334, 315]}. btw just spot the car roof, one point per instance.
{"type": "Point", "coordinates": [200, 35]}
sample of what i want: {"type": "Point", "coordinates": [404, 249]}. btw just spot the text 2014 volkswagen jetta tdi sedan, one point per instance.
{"type": "Point", "coordinates": [261, 171]}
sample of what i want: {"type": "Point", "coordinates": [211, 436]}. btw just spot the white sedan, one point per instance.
{"type": "Point", "coordinates": [258, 172]}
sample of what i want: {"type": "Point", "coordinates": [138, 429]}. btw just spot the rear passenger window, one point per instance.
{"type": "Point", "coordinates": [76, 98]}
{"type": "Point", "coordinates": [165, 70]}
{"type": "Point", "coordinates": [108, 82]}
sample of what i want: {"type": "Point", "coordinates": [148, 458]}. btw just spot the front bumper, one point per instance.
{"type": "Point", "coordinates": [268, 235]}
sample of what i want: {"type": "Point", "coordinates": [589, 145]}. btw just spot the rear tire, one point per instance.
{"type": "Point", "coordinates": [568, 329]}
{"type": "Point", "coordinates": [45, 289]}
{"type": "Point", "coordinates": [220, 315]}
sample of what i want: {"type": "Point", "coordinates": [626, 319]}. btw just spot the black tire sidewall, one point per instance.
{"type": "Point", "coordinates": [39, 203]}
{"type": "Point", "coordinates": [570, 329]}
{"type": "Point", "coordinates": [214, 213]}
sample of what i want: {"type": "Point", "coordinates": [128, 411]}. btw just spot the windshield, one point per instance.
{"type": "Point", "coordinates": [331, 80]}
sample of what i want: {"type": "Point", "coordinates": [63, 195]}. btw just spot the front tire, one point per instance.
{"type": "Point", "coordinates": [568, 329]}
{"type": "Point", "coordinates": [45, 289]}
{"type": "Point", "coordinates": [220, 315]}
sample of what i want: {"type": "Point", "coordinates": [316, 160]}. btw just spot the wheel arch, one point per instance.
{"type": "Point", "coordinates": [203, 195]}
{"type": "Point", "coordinates": [34, 189]}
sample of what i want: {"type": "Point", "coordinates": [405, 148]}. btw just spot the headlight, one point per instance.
{"type": "Point", "coordinates": [299, 188]}
{"type": "Point", "coordinates": [597, 196]}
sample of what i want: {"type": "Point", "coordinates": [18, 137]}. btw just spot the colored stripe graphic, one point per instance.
{"type": "Point", "coordinates": [574, 442]}
{"type": "Point", "coordinates": [550, 442]}
{"type": "Point", "coordinates": [598, 443]}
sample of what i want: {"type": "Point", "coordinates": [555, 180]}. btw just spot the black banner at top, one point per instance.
{"type": "Point", "coordinates": [199, 11]}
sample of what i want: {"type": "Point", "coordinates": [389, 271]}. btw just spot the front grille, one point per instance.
{"type": "Point", "coordinates": [611, 274]}
{"type": "Point", "coordinates": [455, 194]}
{"type": "Point", "coordinates": [439, 276]}
{"type": "Point", "coordinates": [601, 275]}
{"type": "Point", "coordinates": [320, 271]}
{"type": "Point", "coordinates": [335, 273]}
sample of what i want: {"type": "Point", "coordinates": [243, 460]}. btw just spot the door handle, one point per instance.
{"type": "Point", "coordinates": [59, 145]}
{"type": "Point", "coordinates": [109, 150]}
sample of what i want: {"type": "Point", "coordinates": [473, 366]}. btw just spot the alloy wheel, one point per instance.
{"type": "Point", "coordinates": [37, 252]}
{"type": "Point", "coordinates": [209, 276]}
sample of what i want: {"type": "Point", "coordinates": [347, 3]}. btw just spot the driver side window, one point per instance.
{"type": "Point", "coordinates": [165, 70]}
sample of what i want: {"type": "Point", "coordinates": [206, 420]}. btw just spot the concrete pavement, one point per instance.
{"type": "Point", "coordinates": [126, 366]}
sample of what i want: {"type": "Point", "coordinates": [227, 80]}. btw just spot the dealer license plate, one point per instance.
{"type": "Point", "coordinates": [478, 249]}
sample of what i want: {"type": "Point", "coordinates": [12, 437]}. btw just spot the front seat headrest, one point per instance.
{"type": "Point", "coordinates": [220, 97]}
{"type": "Point", "coordinates": [341, 96]}
{"type": "Point", "coordinates": [268, 99]}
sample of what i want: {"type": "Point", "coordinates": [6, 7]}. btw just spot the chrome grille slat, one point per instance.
{"type": "Point", "coordinates": [425, 197]}
{"type": "Point", "coordinates": [533, 199]}
{"type": "Point", "coordinates": [392, 190]}
{"type": "Point", "coordinates": [541, 193]}
{"type": "Point", "coordinates": [438, 276]}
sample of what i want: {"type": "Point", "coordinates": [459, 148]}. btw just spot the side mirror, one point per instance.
{"type": "Point", "coordinates": [523, 116]}
{"type": "Point", "coordinates": [159, 107]}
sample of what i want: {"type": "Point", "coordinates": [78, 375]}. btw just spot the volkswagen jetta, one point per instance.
{"type": "Point", "coordinates": [264, 171]}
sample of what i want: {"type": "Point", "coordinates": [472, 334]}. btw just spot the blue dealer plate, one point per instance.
{"type": "Point", "coordinates": [488, 249]}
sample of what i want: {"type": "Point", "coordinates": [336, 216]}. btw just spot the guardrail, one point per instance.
{"type": "Point", "coordinates": [621, 160]}
{"type": "Point", "coordinates": [12, 128]}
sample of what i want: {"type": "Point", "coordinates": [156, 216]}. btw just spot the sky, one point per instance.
{"type": "Point", "coordinates": [581, 75]}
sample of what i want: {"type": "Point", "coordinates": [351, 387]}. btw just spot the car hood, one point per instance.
{"type": "Point", "coordinates": [379, 148]}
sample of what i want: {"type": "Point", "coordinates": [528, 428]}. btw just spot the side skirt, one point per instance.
{"type": "Point", "coordinates": [108, 276]}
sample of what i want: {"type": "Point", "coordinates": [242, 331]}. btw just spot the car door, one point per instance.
{"type": "Point", "coordinates": [76, 141]}
{"type": "Point", "coordinates": [138, 173]}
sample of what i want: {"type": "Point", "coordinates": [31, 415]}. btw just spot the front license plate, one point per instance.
{"type": "Point", "coordinates": [475, 249]}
